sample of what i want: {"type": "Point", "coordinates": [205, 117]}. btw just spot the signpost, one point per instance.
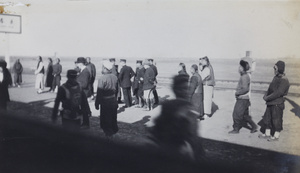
{"type": "Point", "coordinates": [10, 24]}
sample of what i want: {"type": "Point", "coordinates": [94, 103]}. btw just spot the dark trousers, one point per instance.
{"type": "Point", "coordinates": [241, 114]}
{"type": "Point", "coordinates": [127, 96]}
{"type": "Point", "coordinates": [85, 119]}
{"type": "Point", "coordinates": [272, 118]}
{"type": "Point", "coordinates": [3, 105]}
{"type": "Point", "coordinates": [108, 117]}
{"type": "Point", "coordinates": [56, 82]}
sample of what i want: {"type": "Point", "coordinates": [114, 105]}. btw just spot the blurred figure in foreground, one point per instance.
{"type": "Point", "coordinates": [196, 91]}
{"type": "Point", "coordinates": [74, 102]}
{"type": "Point", "coordinates": [17, 70]}
{"type": "Point", "coordinates": [175, 128]}
{"type": "Point", "coordinates": [5, 81]}
{"type": "Point", "coordinates": [57, 69]}
{"type": "Point", "coordinates": [49, 75]}
{"type": "Point", "coordinates": [182, 69]}
{"type": "Point", "coordinates": [241, 116]}
{"type": "Point", "coordinates": [39, 72]}
{"type": "Point", "coordinates": [107, 99]}
{"type": "Point", "coordinates": [272, 119]}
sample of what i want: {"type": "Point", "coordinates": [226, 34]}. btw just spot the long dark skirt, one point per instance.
{"type": "Point", "coordinates": [197, 101]}
{"type": "Point", "coordinates": [18, 78]}
{"type": "Point", "coordinates": [272, 118]}
{"type": "Point", "coordinates": [108, 116]}
{"type": "Point", "coordinates": [49, 80]}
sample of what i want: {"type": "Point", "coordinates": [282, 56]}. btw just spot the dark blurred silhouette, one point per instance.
{"type": "Point", "coordinates": [5, 81]}
{"type": "Point", "coordinates": [175, 129]}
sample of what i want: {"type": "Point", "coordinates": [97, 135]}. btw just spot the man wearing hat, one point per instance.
{"type": "Point", "coordinates": [74, 102]}
{"type": "Point", "coordinates": [92, 69]}
{"type": "Point", "coordinates": [271, 124]}
{"type": "Point", "coordinates": [106, 98]}
{"type": "Point", "coordinates": [138, 84]}
{"type": "Point", "coordinates": [83, 78]}
{"type": "Point", "coordinates": [241, 117]}
{"type": "Point", "coordinates": [148, 84]}
{"type": "Point", "coordinates": [154, 68]}
{"type": "Point", "coordinates": [126, 73]}
{"type": "Point", "coordinates": [115, 72]}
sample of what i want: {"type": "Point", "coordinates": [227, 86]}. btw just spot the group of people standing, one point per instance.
{"type": "Point", "coordinates": [53, 75]}
{"type": "Point", "coordinates": [201, 86]}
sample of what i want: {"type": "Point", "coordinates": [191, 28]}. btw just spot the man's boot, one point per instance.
{"type": "Point", "coordinates": [253, 126]}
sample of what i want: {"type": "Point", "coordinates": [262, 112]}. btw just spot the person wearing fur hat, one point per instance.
{"type": "Point", "coordinates": [271, 123]}
{"type": "Point", "coordinates": [196, 91]}
{"type": "Point", "coordinates": [148, 84]}
{"type": "Point", "coordinates": [241, 117]}
{"type": "Point", "coordinates": [107, 99]}
{"type": "Point", "coordinates": [74, 102]}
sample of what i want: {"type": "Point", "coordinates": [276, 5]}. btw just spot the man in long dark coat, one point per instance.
{"type": "Point", "coordinates": [156, 100]}
{"type": "Point", "coordinates": [57, 69]}
{"type": "Point", "coordinates": [17, 69]}
{"type": "Point", "coordinates": [106, 98]}
{"type": "Point", "coordinates": [5, 81]}
{"type": "Point", "coordinates": [126, 73]}
{"type": "Point", "coordinates": [83, 79]}
{"type": "Point", "coordinates": [138, 91]}
{"type": "Point", "coordinates": [92, 69]}
{"type": "Point", "coordinates": [115, 72]}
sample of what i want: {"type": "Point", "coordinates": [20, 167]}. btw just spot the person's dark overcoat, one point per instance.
{"type": "Point", "coordinates": [125, 75]}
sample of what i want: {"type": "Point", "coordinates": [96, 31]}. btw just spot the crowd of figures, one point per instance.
{"type": "Point", "coordinates": [176, 126]}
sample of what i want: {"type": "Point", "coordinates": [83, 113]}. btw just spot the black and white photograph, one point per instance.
{"type": "Point", "coordinates": [152, 86]}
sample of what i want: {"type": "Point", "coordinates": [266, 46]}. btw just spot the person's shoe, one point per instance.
{"type": "Point", "coordinates": [262, 136]}
{"type": "Point", "coordinates": [234, 132]}
{"type": "Point", "coordinates": [19, 86]}
{"type": "Point", "coordinates": [253, 130]}
{"type": "Point", "coordinates": [273, 139]}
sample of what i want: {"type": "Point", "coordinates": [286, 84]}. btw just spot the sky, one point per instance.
{"type": "Point", "coordinates": [155, 28]}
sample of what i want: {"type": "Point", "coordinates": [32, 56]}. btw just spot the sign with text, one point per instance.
{"type": "Point", "coordinates": [10, 23]}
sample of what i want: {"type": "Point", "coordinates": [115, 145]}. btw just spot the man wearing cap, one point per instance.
{"type": "Point", "coordinates": [272, 119]}
{"type": "Point", "coordinates": [126, 73]}
{"type": "Point", "coordinates": [106, 98]}
{"type": "Point", "coordinates": [148, 84]}
{"type": "Point", "coordinates": [92, 69]}
{"type": "Point", "coordinates": [138, 84]}
{"type": "Point", "coordinates": [83, 79]}
{"type": "Point", "coordinates": [155, 82]}
{"type": "Point", "coordinates": [241, 109]}
{"type": "Point", "coordinates": [74, 102]}
{"type": "Point", "coordinates": [114, 71]}
{"type": "Point", "coordinates": [57, 69]}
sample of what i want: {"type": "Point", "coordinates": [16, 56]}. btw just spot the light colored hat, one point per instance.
{"type": "Point", "coordinates": [107, 64]}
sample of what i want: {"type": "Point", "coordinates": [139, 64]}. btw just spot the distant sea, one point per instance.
{"type": "Point", "coordinates": [225, 69]}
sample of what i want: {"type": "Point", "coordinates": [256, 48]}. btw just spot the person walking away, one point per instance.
{"type": "Point", "coordinates": [156, 100]}
{"type": "Point", "coordinates": [49, 75]}
{"type": "Point", "coordinates": [17, 70]}
{"type": "Point", "coordinates": [271, 123]}
{"type": "Point", "coordinates": [148, 85]}
{"type": "Point", "coordinates": [115, 72]}
{"type": "Point", "coordinates": [196, 91]}
{"type": "Point", "coordinates": [126, 73]}
{"type": "Point", "coordinates": [83, 79]}
{"type": "Point", "coordinates": [182, 69]}
{"type": "Point", "coordinates": [208, 77]}
{"type": "Point", "coordinates": [57, 69]}
{"type": "Point", "coordinates": [92, 69]}
{"type": "Point", "coordinates": [74, 102]}
{"type": "Point", "coordinates": [241, 116]}
{"type": "Point", "coordinates": [39, 72]}
{"type": "Point", "coordinates": [138, 84]}
{"type": "Point", "coordinates": [106, 98]}
{"type": "Point", "coordinates": [5, 82]}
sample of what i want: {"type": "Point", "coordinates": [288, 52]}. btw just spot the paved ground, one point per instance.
{"type": "Point", "coordinates": [215, 128]}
